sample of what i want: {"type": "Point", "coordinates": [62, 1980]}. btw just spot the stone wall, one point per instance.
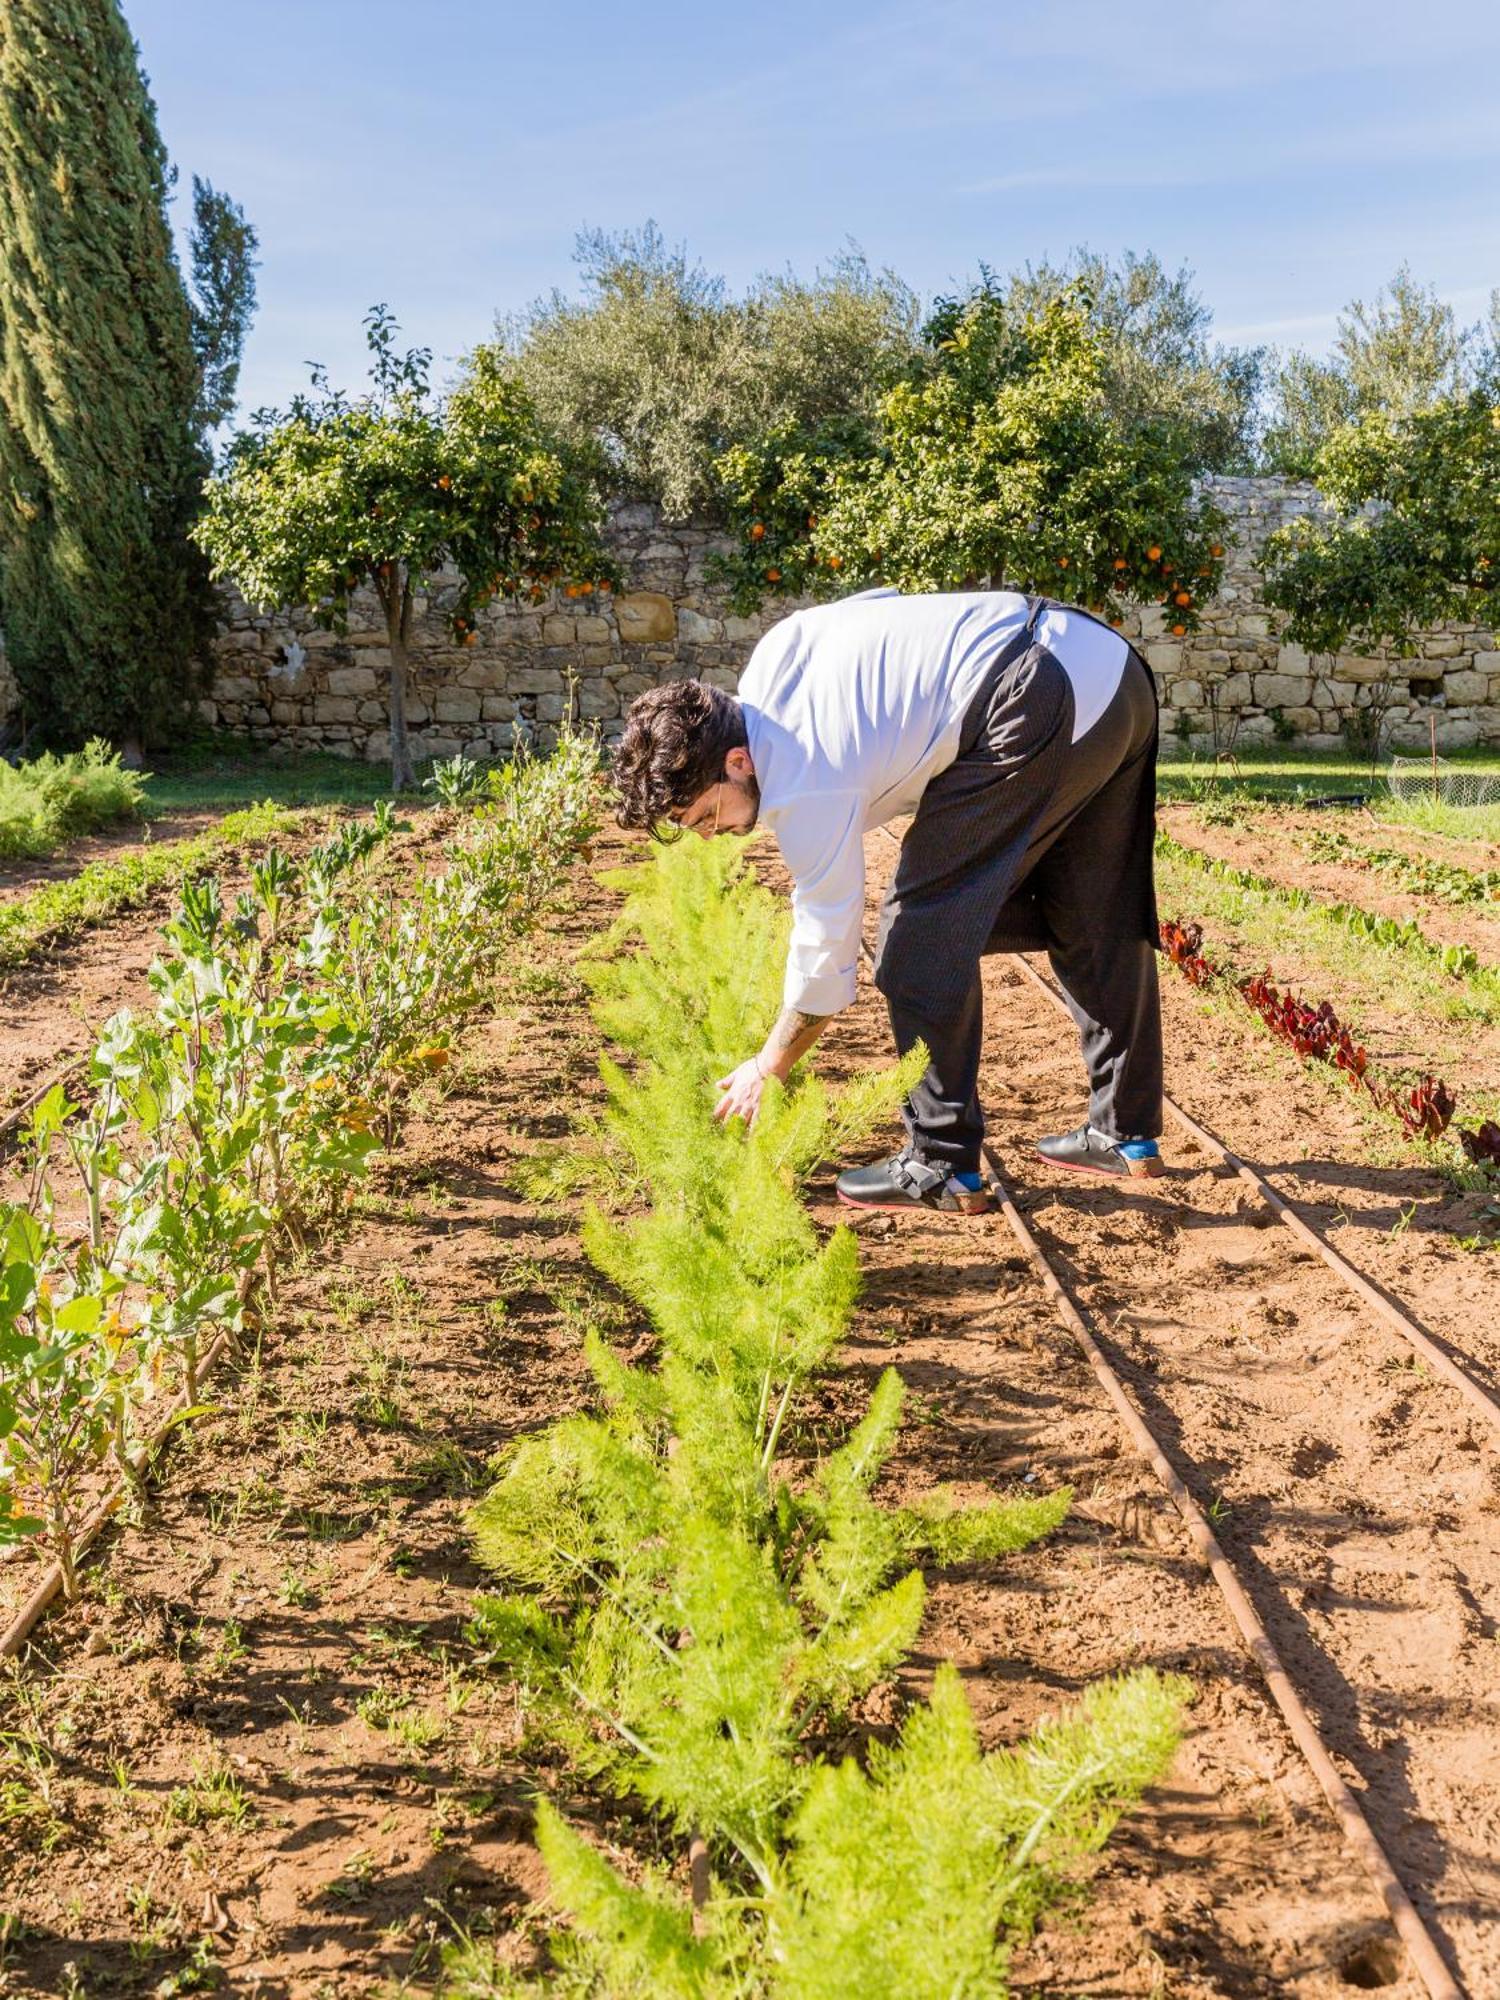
{"type": "Point", "coordinates": [280, 680]}
{"type": "Point", "coordinates": [1262, 688]}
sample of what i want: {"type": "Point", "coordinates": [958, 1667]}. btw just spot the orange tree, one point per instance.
{"type": "Point", "coordinates": [387, 487]}
{"type": "Point", "coordinates": [1005, 465]}
{"type": "Point", "coordinates": [1417, 539]}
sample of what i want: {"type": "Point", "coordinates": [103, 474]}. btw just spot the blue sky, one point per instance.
{"type": "Point", "coordinates": [442, 156]}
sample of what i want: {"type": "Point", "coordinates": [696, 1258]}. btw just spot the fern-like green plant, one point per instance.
{"type": "Point", "coordinates": [692, 1605]}
{"type": "Point", "coordinates": [912, 1875]}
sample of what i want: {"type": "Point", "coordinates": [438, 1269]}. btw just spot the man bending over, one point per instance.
{"type": "Point", "coordinates": [1021, 737]}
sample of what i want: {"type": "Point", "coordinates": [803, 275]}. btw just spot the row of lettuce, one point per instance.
{"type": "Point", "coordinates": [214, 1132]}
{"type": "Point", "coordinates": [700, 1582]}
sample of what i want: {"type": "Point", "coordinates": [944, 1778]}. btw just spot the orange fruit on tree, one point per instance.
{"type": "Point", "coordinates": [1120, 562]}
{"type": "Point", "coordinates": [444, 481]}
{"type": "Point", "coordinates": [585, 590]}
{"type": "Point", "coordinates": [1183, 597]}
{"type": "Point", "coordinates": [1062, 562]}
{"type": "Point", "coordinates": [571, 590]}
{"type": "Point", "coordinates": [1153, 554]}
{"type": "Point", "coordinates": [757, 531]}
{"type": "Point", "coordinates": [835, 562]}
{"type": "Point", "coordinates": [1217, 549]}
{"type": "Point", "coordinates": [773, 576]}
{"type": "Point", "coordinates": [1178, 630]}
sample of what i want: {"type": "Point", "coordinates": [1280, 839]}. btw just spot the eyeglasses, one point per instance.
{"type": "Point", "coordinates": [691, 825]}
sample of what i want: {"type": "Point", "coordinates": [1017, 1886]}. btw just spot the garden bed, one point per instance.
{"type": "Point", "coordinates": [269, 1731]}
{"type": "Point", "coordinates": [1300, 850]}
{"type": "Point", "coordinates": [56, 998]}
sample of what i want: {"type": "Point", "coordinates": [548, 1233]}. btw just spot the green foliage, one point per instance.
{"type": "Point", "coordinates": [1404, 935]}
{"type": "Point", "coordinates": [49, 799]}
{"type": "Point", "coordinates": [1422, 874]}
{"type": "Point", "coordinates": [1006, 465]}
{"type": "Point", "coordinates": [332, 494]}
{"type": "Point", "coordinates": [1159, 361]}
{"type": "Point", "coordinates": [909, 1876]}
{"type": "Point", "coordinates": [695, 1598]}
{"type": "Point", "coordinates": [102, 888]}
{"type": "Point", "coordinates": [1417, 536]}
{"type": "Point", "coordinates": [105, 600]}
{"type": "Point", "coordinates": [901, 1875]}
{"type": "Point", "coordinates": [656, 370]}
{"type": "Point", "coordinates": [223, 246]}
{"type": "Point", "coordinates": [1402, 353]}
{"type": "Point", "coordinates": [218, 1128]}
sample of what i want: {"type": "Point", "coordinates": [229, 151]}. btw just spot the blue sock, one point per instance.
{"type": "Point", "coordinates": [1139, 1149]}
{"type": "Point", "coordinates": [971, 1182]}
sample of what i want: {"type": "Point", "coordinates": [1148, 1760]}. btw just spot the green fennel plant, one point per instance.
{"type": "Point", "coordinates": [695, 1596]}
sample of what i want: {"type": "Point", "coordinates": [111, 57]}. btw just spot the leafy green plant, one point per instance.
{"type": "Point", "coordinates": [1422, 874]}
{"type": "Point", "coordinates": [456, 780]}
{"type": "Point", "coordinates": [696, 1594]}
{"type": "Point", "coordinates": [45, 801]}
{"type": "Point", "coordinates": [216, 1130]}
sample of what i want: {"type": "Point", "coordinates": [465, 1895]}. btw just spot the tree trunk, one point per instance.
{"type": "Point", "coordinates": [398, 627]}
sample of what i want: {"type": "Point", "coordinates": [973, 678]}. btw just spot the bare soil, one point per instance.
{"type": "Point", "coordinates": [1358, 1498]}
{"type": "Point", "coordinates": [265, 1741]}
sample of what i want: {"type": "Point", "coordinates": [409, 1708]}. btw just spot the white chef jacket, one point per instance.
{"type": "Point", "coordinates": [850, 709]}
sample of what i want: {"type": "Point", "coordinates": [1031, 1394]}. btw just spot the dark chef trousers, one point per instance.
{"type": "Point", "coordinates": [1029, 841]}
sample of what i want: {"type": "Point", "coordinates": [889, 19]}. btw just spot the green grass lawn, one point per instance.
{"type": "Point", "coordinates": [1288, 773]}
{"type": "Point", "coordinates": [222, 776]}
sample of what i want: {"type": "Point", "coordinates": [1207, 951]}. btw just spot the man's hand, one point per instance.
{"type": "Point", "coordinates": [790, 1039]}
{"type": "Point", "coordinates": [740, 1092]}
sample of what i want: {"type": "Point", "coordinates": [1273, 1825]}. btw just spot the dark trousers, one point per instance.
{"type": "Point", "coordinates": [1029, 841]}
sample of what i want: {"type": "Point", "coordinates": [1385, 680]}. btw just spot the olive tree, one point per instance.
{"type": "Point", "coordinates": [388, 486]}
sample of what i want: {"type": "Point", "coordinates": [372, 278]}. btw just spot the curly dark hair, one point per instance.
{"type": "Point", "coordinates": [675, 742]}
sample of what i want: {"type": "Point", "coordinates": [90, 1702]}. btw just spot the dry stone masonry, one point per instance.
{"type": "Point", "coordinates": [1236, 679]}
{"type": "Point", "coordinates": [280, 680]}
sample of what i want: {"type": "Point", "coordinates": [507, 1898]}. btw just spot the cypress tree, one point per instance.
{"type": "Point", "coordinates": [103, 599]}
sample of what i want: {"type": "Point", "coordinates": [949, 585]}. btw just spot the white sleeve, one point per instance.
{"type": "Point", "coordinates": [822, 841]}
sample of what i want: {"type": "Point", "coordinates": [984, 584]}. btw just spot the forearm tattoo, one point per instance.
{"type": "Point", "coordinates": [793, 1032]}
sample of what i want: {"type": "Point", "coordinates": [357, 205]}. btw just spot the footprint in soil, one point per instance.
{"type": "Point", "coordinates": [1312, 1455]}
{"type": "Point", "coordinates": [1373, 1963]}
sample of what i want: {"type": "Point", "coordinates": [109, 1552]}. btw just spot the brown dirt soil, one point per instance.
{"type": "Point", "coordinates": [53, 1004]}
{"type": "Point", "coordinates": [1267, 842]}
{"type": "Point", "coordinates": [288, 1630]}
{"type": "Point", "coordinates": [17, 878]}
{"type": "Point", "coordinates": [1357, 1497]}
{"type": "Point", "coordinates": [263, 1727]}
